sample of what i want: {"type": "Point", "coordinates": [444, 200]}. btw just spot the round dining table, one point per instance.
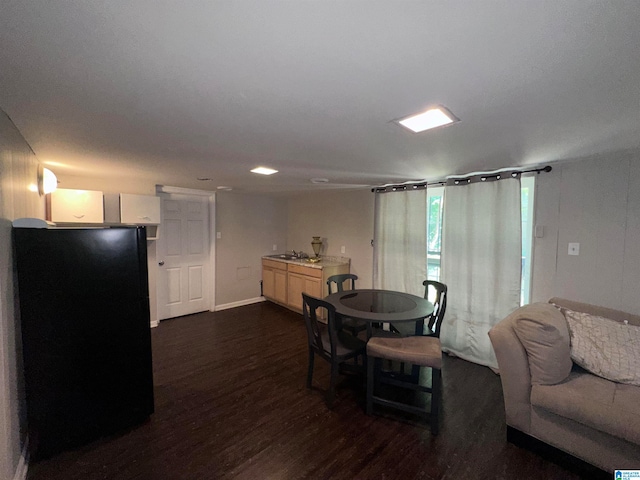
{"type": "Point", "coordinates": [380, 306]}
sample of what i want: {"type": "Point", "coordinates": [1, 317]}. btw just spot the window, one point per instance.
{"type": "Point", "coordinates": [527, 191]}
{"type": "Point", "coordinates": [435, 202]}
{"type": "Point", "coordinates": [435, 206]}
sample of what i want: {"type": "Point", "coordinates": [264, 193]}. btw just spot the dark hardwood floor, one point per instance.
{"type": "Point", "coordinates": [231, 402]}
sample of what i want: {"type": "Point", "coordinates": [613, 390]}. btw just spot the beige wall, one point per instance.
{"type": "Point", "coordinates": [249, 226]}
{"type": "Point", "coordinates": [340, 218]}
{"type": "Point", "coordinates": [594, 202]}
{"type": "Point", "coordinates": [591, 201]}
{"type": "Point", "coordinates": [18, 171]}
{"type": "Point", "coordinates": [106, 185]}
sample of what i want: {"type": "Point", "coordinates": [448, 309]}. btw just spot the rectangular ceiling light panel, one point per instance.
{"type": "Point", "coordinates": [432, 118]}
{"type": "Point", "coordinates": [264, 170]}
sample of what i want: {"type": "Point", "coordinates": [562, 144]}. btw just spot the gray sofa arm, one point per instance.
{"type": "Point", "coordinates": [532, 346]}
{"type": "Point", "coordinates": [515, 375]}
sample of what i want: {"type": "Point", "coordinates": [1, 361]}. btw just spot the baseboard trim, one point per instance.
{"type": "Point", "coordinates": [240, 303]}
{"type": "Point", "coordinates": [23, 462]}
{"type": "Point", "coordinates": [555, 455]}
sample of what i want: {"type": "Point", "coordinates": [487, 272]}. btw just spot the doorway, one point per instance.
{"type": "Point", "coordinates": [185, 252]}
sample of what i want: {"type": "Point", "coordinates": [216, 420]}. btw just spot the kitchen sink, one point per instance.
{"type": "Point", "coordinates": [284, 256]}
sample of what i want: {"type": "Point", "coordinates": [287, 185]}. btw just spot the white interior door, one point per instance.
{"type": "Point", "coordinates": [184, 273]}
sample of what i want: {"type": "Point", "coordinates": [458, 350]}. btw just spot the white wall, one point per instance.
{"type": "Point", "coordinates": [340, 218]}
{"type": "Point", "coordinates": [595, 202]}
{"type": "Point", "coordinates": [18, 172]}
{"type": "Point", "coordinates": [249, 226]}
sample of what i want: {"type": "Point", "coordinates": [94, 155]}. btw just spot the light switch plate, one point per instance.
{"type": "Point", "coordinates": [574, 249]}
{"type": "Point", "coordinates": [343, 249]}
{"type": "Point", "coordinates": [218, 235]}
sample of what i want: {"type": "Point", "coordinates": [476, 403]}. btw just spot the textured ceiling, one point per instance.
{"type": "Point", "coordinates": [170, 91]}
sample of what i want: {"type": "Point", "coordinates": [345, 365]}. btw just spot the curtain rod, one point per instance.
{"type": "Point", "coordinates": [482, 177]}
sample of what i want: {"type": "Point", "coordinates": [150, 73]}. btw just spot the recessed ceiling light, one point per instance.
{"type": "Point", "coordinates": [432, 118]}
{"type": "Point", "coordinates": [224, 188]}
{"type": "Point", "coordinates": [264, 171]}
{"type": "Point", "coordinates": [319, 180]}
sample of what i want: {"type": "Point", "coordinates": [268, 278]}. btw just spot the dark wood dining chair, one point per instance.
{"type": "Point", "coordinates": [431, 325]}
{"type": "Point", "coordinates": [330, 343]}
{"type": "Point", "coordinates": [420, 351]}
{"type": "Point", "coordinates": [350, 324]}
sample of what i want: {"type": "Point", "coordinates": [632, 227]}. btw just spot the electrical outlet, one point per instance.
{"type": "Point", "coordinates": [218, 235]}
{"type": "Point", "coordinates": [574, 249]}
{"type": "Point", "coordinates": [275, 247]}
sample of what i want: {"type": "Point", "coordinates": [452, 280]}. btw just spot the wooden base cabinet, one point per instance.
{"type": "Point", "coordinates": [303, 280]}
{"type": "Point", "coordinates": [284, 282]}
{"type": "Point", "coordinates": [274, 281]}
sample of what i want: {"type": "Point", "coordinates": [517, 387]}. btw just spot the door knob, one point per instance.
{"type": "Point", "coordinates": [161, 262]}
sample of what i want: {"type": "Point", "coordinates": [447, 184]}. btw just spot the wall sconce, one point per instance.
{"type": "Point", "coordinates": [47, 180]}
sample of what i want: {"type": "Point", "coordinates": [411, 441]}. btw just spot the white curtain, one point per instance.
{"type": "Point", "coordinates": [400, 241]}
{"type": "Point", "coordinates": [481, 263]}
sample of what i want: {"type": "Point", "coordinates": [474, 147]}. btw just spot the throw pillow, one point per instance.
{"type": "Point", "coordinates": [543, 332]}
{"type": "Point", "coordinates": [605, 347]}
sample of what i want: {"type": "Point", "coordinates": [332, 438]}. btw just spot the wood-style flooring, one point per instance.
{"type": "Point", "coordinates": [231, 403]}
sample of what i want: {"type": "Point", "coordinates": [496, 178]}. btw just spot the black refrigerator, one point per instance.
{"type": "Point", "coordinates": [84, 314]}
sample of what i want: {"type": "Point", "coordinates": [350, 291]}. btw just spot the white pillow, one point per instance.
{"type": "Point", "coordinates": [605, 347]}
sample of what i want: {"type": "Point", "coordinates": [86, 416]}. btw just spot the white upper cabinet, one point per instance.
{"type": "Point", "coordinates": [76, 206]}
{"type": "Point", "coordinates": [139, 209]}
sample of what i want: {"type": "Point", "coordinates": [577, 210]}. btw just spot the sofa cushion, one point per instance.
{"type": "Point", "coordinates": [543, 332]}
{"type": "Point", "coordinates": [617, 315]}
{"type": "Point", "coordinates": [605, 347]}
{"type": "Point", "coordinates": [609, 407]}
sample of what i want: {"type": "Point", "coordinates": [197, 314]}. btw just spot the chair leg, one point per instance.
{"type": "Point", "coordinates": [370, 380]}
{"type": "Point", "coordinates": [331, 393]}
{"type": "Point", "coordinates": [436, 394]}
{"type": "Point", "coordinates": [310, 369]}
{"type": "Point", "coordinates": [364, 364]}
{"type": "Point", "coordinates": [378, 365]}
{"type": "Point", "coordinates": [415, 374]}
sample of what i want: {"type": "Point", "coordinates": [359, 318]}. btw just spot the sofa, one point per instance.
{"type": "Point", "coordinates": [550, 399]}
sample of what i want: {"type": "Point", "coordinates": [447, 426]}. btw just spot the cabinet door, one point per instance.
{"type": "Point", "coordinates": [313, 286]}
{"type": "Point", "coordinates": [139, 209]}
{"type": "Point", "coordinates": [296, 286]}
{"type": "Point", "coordinates": [268, 283]}
{"type": "Point", "coordinates": [299, 284]}
{"type": "Point", "coordinates": [77, 206]}
{"type": "Point", "coordinates": [274, 281]}
{"type": "Point", "coordinates": [280, 290]}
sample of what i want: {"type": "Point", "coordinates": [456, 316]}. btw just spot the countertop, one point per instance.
{"type": "Point", "coordinates": [326, 261]}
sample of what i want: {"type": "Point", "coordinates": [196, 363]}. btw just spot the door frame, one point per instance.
{"type": "Point", "coordinates": [212, 232]}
